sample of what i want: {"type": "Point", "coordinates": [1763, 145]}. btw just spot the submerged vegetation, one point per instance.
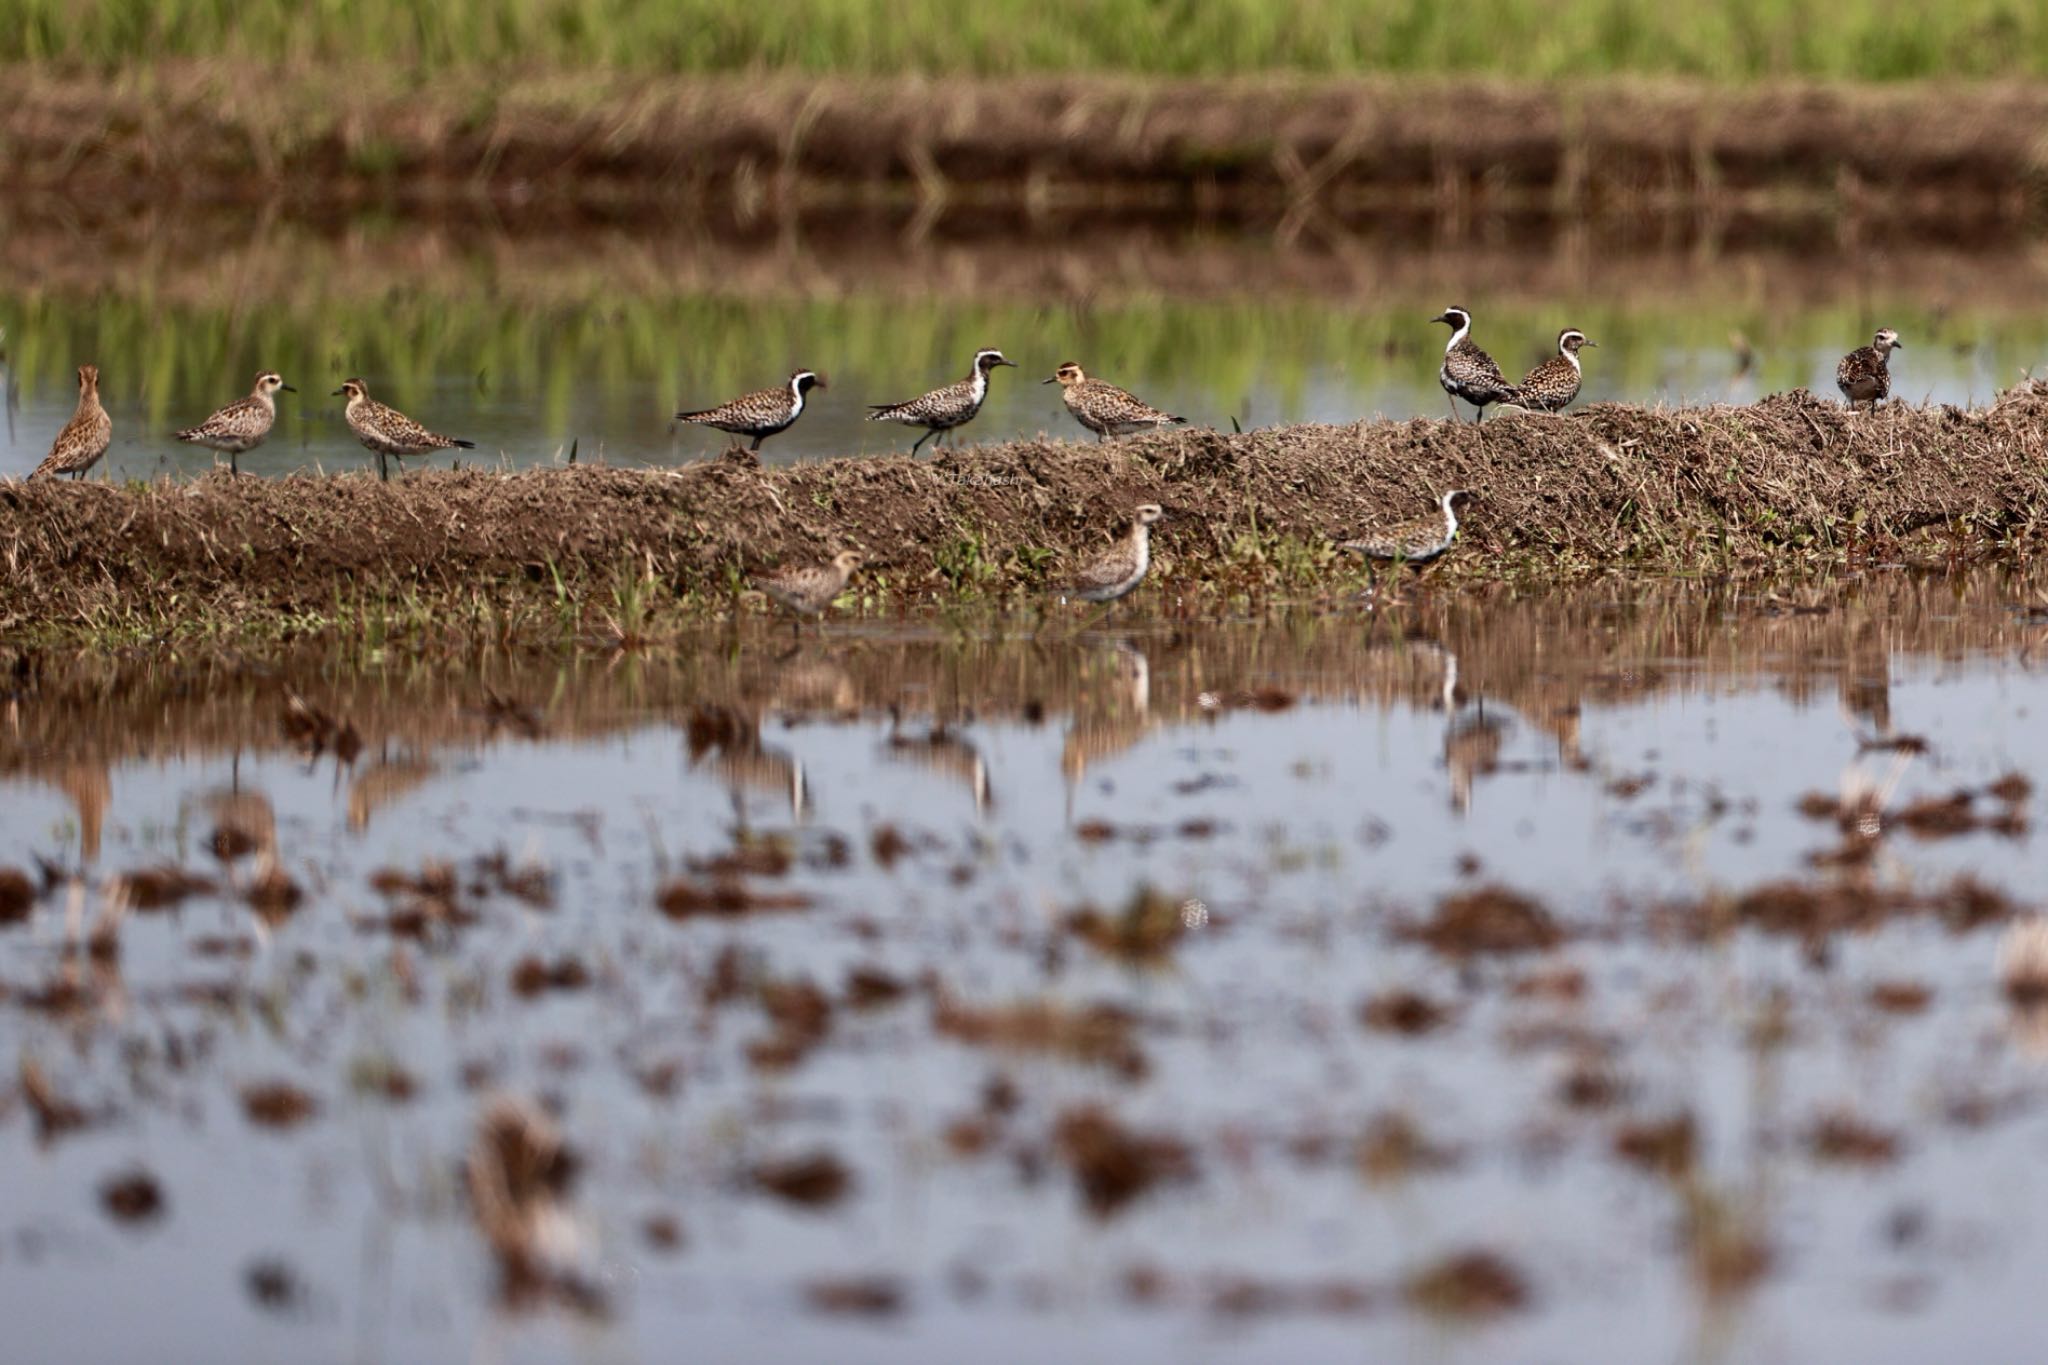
{"type": "Point", "coordinates": [1858, 40]}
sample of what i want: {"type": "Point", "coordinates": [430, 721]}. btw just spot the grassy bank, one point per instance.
{"type": "Point", "coordinates": [1788, 485]}
{"type": "Point", "coordinates": [1303, 153]}
{"type": "Point", "coordinates": [1875, 40]}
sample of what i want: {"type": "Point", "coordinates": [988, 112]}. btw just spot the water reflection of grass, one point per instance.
{"type": "Point", "coordinates": [602, 352]}
{"type": "Point", "coordinates": [1861, 39]}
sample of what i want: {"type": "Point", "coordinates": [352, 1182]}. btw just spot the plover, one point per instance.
{"type": "Point", "coordinates": [761, 414]}
{"type": "Point", "coordinates": [1415, 542]}
{"type": "Point", "coordinates": [941, 410]}
{"type": "Point", "coordinates": [1468, 372]}
{"type": "Point", "coordinates": [811, 588]}
{"type": "Point", "coordinates": [241, 425]}
{"type": "Point", "coordinates": [1555, 382]}
{"type": "Point", "coordinates": [1104, 408]}
{"type": "Point", "coordinates": [1865, 376]}
{"type": "Point", "coordinates": [85, 437]}
{"type": "Point", "coordinates": [387, 431]}
{"type": "Point", "coordinates": [1115, 572]}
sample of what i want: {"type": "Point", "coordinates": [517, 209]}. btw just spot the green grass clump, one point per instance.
{"type": "Point", "coordinates": [1735, 40]}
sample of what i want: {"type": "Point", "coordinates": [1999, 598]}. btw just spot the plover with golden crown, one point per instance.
{"type": "Point", "coordinates": [243, 424]}
{"type": "Point", "coordinates": [1114, 573]}
{"type": "Point", "coordinates": [809, 589]}
{"type": "Point", "coordinates": [388, 432]}
{"type": "Point", "coordinates": [1468, 372]}
{"type": "Point", "coordinates": [1864, 375]}
{"type": "Point", "coordinates": [761, 414]}
{"type": "Point", "coordinates": [1104, 408]}
{"type": "Point", "coordinates": [1555, 382]}
{"type": "Point", "coordinates": [1416, 542]}
{"type": "Point", "coordinates": [85, 437]}
{"type": "Point", "coordinates": [941, 410]}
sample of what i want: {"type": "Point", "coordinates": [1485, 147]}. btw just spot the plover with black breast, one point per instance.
{"type": "Point", "coordinates": [944, 409]}
{"type": "Point", "coordinates": [1416, 542]}
{"type": "Point", "coordinates": [85, 438]}
{"type": "Point", "coordinates": [1468, 372]}
{"type": "Point", "coordinates": [1864, 375]}
{"type": "Point", "coordinates": [242, 425]}
{"type": "Point", "coordinates": [1104, 408]}
{"type": "Point", "coordinates": [387, 432]}
{"type": "Point", "coordinates": [761, 414]}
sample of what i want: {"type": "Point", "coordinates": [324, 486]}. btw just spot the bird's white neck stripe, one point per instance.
{"type": "Point", "coordinates": [1458, 336]}
{"type": "Point", "coordinates": [1450, 518]}
{"type": "Point", "coordinates": [796, 398]}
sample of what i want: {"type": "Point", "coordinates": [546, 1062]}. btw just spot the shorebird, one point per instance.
{"type": "Point", "coordinates": [761, 414]}
{"type": "Point", "coordinates": [1104, 408]}
{"type": "Point", "coordinates": [1555, 382]}
{"type": "Point", "coordinates": [387, 431]}
{"type": "Point", "coordinates": [941, 410]}
{"type": "Point", "coordinates": [811, 588]}
{"type": "Point", "coordinates": [241, 425]}
{"type": "Point", "coordinates": [1468, 372]}
{"type": "Point", "coordinates": [85, 437]}
{"type": "Point", "coordinates": [1115, 572]}
{"type": "Point", "coordinates": [1865, 376]}
{"type": "Point", "coordinates": [1418, 542]}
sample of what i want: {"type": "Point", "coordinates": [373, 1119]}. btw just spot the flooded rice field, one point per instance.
{"type": "Point", "coordinates": [537, 346]}
{"type": "Point", "coordinates": [1644, 973]}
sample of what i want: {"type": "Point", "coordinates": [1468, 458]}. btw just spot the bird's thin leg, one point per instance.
{"type": "Point", "coordinates": [921, 440]}
{"type": "Point", "coordinates": [757, 443]}
{"type": "Point", "coordinates": [1453, 405]}
{"type": "Point", "coordinates": [235, 463]}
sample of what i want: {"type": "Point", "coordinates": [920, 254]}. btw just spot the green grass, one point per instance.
{"type": "Point", "coordinates": [1735, 39]}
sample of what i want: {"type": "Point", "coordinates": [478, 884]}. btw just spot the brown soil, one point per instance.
{"type": "Point", "coordinates": [1789, 484]}
{"type": "Point", "coordinates": [1222, 148]}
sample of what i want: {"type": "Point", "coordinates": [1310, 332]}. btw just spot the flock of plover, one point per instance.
{"type": "Point", "coordinates": [1863, 375]}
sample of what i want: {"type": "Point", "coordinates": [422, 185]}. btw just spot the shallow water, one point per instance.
{"type": "Point", "coordinates": [1300, 793]}
{"type": "Point", "coordinates": [531, 347]}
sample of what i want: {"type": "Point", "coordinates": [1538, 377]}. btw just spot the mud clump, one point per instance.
{"type": "Point", "coordinates": [277, 1104]}
{"type": "Point", "coordinates": [1489, 920]}
{"type": "Point", "coordinates": [815, 1180]}
{"type": "Point", "coordinates": [1112, 1164]}
{"type": "Point", "coordinates": [1099, 1035]}
{"type": "Point", "coordinates": [17, 895]}
{"type": "Point", "coordinates": [873, 1296]}
{"type": "Point", "coordinates": [1845, 1139]}
{"type": "Point", "coordinates": [723, 897]}
{"type": "Point", "coordinates": [1142, 934]}
{"type": "Point", "coordinates": [1405, 1012]}
{"type": "Point", "coordinates": [1666, 1147]}
{"type": "Point", "coordinates": [133, 1198]}
{"type": "Point", "coordinates": [1472, 1284]}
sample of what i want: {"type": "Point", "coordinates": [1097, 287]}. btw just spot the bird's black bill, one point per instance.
{"type": "Point", "coordinates": [287, 388]}
{"type": "Point", "coordinates": [337, 393]}
{"type": "Point", "coordinates": [1054, 380]}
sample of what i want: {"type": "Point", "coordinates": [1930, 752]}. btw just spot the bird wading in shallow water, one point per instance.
{"type": "Point", "coordinates": [1864, 375]}
{"type": "Point", "coordinates": [85, 438]}
{"type": "Point", "coordinates": [809, 589]}
{"type": "Point", "coordinates": [242, 425]}
{"type": "Point", "coordinates": [1468, 372]}
{"type": "Point", "coordinates": [387, 432]}
{"type": "Point", "coordinates": [761, 414]}
{"type": "Point", "coordinates": [1418, 542]}
{"type": "Point", "coordinates": [1555, 382]}
{"type": "Point", "coordinates": [942, 410]}
{"type": "Point", "coordinates": [1104, 408]}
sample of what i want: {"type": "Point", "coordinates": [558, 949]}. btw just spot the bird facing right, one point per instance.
{"type": "Point", "coordinates": [761, 414]}
{"type": "Point", "coordinates": [1115, 572]}
{"type": "Point", "coordinates": [85, 437]}
{"type": "Point", "coordinates": [1864, 375]}
{"type": "Point", "coordinates": [808, 589]}
{"type": "Point", "coordinates": [1416, 542]}
{"type": "Point", "coordinates": [1104, 408]}
{"type": "Point", "coordinates": [1468, 372]}
{"type": "Point", "coordinates": [944, 409]}
{"type": "Point", "coordinates": [243, 424]}
{"type": "Point", "coordinates": [1555, 382]}
{"type": "Point", "coordinates": [388, 432]}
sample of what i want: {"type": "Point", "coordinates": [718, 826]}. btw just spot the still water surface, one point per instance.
{"type": "Point", "coordinates": [1301, 793]}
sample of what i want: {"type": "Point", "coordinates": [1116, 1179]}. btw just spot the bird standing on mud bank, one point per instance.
{"type": "Point", "coordinates": [1104, 408]}
{"type": "Point", "coordinates": [941, 410]}
{"type": "Point", "coordinates": [1864, 376]}
{"type": "Point", "coordinates": [243, 424]}
{"type": "Point", "coordinates": [1555, 382]}
{"type": "Point", "coordinates": [85, 437]}
{"type": "Point", "coordinates": [1418, 542]}
{"type": "Point", "coordinates": [1468, 372]}
{"type": "Point", "coordinates": [761, 414]}
{"type": "Point", "coordinates": [388, 432]}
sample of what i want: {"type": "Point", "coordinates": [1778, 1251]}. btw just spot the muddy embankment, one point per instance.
{"type": "Point", "coordinates": [1791, 484]}
{"type": "Point", "coordinates": [1947, 159]}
